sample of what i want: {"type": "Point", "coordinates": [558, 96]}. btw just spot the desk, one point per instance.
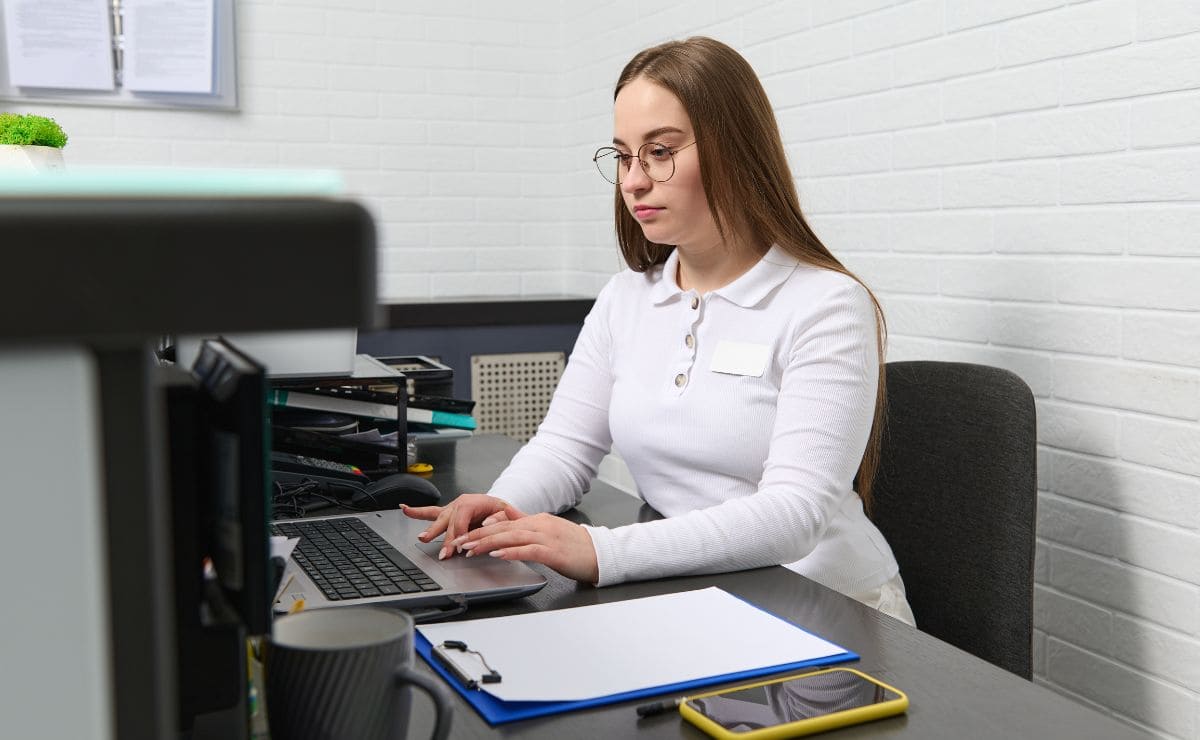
{"type": "Point", "coordinates": [953, 694]}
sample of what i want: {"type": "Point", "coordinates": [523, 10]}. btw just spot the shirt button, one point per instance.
{"type": "Point", "coordinates": [680, 380]}
{"type": "Point", "coordinates": [695, 302]}
{"type": "Point", "coordinates": [690, 341]}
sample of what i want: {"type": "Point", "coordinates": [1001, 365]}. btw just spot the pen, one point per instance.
{"type": "Point", "coordinates": [658, 707]}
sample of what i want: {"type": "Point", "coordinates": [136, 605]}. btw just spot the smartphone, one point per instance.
{"type": "Point", "coordinates": [793, 705]}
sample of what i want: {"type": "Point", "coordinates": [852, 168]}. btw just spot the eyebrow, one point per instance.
{"type": "Point", "coordinates": [649, 136]}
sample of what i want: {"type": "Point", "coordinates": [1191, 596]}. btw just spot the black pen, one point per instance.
{"type": "Point", "coordinates": [658, 707]}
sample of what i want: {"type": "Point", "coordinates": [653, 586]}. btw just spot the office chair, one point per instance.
{"type": "Point", "coordinates": [956, 498]}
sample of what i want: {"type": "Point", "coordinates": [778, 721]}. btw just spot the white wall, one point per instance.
{"type": "Point", "coordinates": [1019, 181]}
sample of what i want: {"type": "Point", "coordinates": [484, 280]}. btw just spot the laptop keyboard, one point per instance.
{"type": "Point", "coordinates": [349, 560]}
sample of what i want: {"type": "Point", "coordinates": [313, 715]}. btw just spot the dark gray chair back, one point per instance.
{"type": "Point", "coordinates": [956, 498]}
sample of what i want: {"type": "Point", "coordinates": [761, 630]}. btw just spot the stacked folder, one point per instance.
{"type": "Point", "coordinates": [377, 405]}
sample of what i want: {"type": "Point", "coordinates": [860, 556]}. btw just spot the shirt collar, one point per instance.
{"type": "Point", "coordinates": [665, 287]}
{"type": "Point", "coordinates": [748, 290]}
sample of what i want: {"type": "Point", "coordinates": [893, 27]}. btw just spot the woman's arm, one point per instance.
{"type": "Point", "coordinates": [553, 471]}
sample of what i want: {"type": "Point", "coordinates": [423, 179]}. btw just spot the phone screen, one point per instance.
{"type": "Point", "coordinates": [791, 701]}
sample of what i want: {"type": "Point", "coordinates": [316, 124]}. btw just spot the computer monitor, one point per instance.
{"type": "Point", "coordinates": [218, 431]}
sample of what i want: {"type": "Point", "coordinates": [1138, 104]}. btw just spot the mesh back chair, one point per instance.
{"type": "Point", "coordinates": [956, 498]}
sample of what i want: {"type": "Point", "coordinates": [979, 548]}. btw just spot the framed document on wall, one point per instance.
{"type": "Point", "coordinates": [129, 53]}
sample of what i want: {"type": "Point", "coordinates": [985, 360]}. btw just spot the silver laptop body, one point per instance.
{"type": "Point", "coordinates": [477, 578]}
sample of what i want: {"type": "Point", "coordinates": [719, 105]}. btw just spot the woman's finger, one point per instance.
{"type": "Point", "coordinates": [437, 527]}
{"type": "Point", "coordinates": [453, 531]}
{"type": "Point", "coordinates": [421, 512]}
{"type": "Point", "coordinates": [508, 536]}
{"type": "Point", "coordinates": [496, 518]}
{"type": "Point", "coordinates": [527, 553]}
{"type": "Point", "coordinates": [458, 523]}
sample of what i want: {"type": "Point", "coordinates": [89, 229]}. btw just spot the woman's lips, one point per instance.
{"type": "Point", "coordinates": [644, 212]}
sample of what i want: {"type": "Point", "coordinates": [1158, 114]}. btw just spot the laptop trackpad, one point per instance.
{"type": "Point", "coordinates": [459, 560]}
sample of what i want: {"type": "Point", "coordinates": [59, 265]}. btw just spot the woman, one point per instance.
{"type": "Point", "coordinates": [735, 364]}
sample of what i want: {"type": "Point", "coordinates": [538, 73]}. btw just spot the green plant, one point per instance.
{"type": "Point", "coordinates": [31, 130]}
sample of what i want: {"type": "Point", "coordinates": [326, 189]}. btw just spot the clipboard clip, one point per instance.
{"type": "Point", "coordinates": [443, 654]}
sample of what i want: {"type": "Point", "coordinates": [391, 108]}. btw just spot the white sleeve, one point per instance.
{"type": "Point", "coordinates": [823, 418]}
{"type": "Point", "coordinates": [554, 470]}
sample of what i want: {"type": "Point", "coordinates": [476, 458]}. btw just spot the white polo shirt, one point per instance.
{"type": "Point", "coordinates": [742, 415]}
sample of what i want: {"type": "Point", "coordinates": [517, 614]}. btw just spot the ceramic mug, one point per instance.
{"type": "Point", "coordinates": [335, 674]}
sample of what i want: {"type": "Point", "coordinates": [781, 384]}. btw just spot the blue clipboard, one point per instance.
{"type": "Point", "coordinates": [497, 711]}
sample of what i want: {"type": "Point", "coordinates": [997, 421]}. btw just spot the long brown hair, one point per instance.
{"type": "Point", "coordinates": [744, 171]}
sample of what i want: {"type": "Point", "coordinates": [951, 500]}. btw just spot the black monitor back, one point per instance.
{"type": "Point", "coordinates": [219, 447]}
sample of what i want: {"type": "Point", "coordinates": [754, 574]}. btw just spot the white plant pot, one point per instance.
{"type": "Point", "coordinates": [32, 159]}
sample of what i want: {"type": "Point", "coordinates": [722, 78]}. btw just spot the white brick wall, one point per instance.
{"type": "Point", "coordinates": [1019, 180]}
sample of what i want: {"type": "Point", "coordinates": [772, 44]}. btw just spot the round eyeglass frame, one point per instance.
{"type": "Point", "coordinates": [607, 151]}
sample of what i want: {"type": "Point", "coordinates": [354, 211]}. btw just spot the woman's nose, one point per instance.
{"type": "Point", "coordinates": [635, 180]}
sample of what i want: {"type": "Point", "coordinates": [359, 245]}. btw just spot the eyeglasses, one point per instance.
{"type": "Point", "coordinates": [657, 160]}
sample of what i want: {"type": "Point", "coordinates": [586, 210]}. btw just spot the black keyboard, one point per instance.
{"type": "Point", "coordinates": [349, 560]}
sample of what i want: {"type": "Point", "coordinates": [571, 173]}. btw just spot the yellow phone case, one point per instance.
{"type": "Point", "coordinates": [803, 726]}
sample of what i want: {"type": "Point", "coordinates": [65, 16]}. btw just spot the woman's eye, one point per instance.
{"type": "Point", "coordinates": [659, 152]}
{"type": "Point", "coordinates": [626, 159]}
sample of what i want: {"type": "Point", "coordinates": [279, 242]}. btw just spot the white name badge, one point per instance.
{"type": "Point", "coordinates": [740, 358]}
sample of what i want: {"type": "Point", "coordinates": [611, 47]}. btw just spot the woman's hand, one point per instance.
{"type": "Point", "coordinates": [459, 516]}
{"type": "Point", "coordinates": [541, 538]}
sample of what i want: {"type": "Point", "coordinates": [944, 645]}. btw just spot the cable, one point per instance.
{"type": "Point", "coordinates": [289, 498]}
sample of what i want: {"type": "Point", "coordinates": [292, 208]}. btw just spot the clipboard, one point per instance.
{"type": "Point", "coordinates": [624, 666]}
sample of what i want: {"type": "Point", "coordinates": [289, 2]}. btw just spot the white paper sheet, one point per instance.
{"type": "Point", "coordinates": [281, 547]}
{"type": "Point", "coordinates": [59, 44]}
{"type": "Point", "coordinates": [169, 45]}
{"type": "Point", "coordinates": [605, 649]}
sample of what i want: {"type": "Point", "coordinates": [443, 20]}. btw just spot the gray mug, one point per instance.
{"type": "Point", "coordinates": [345, 674]}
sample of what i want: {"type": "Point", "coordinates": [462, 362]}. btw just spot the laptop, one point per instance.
{"type": "Point", "coordinates": [374, 558]}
